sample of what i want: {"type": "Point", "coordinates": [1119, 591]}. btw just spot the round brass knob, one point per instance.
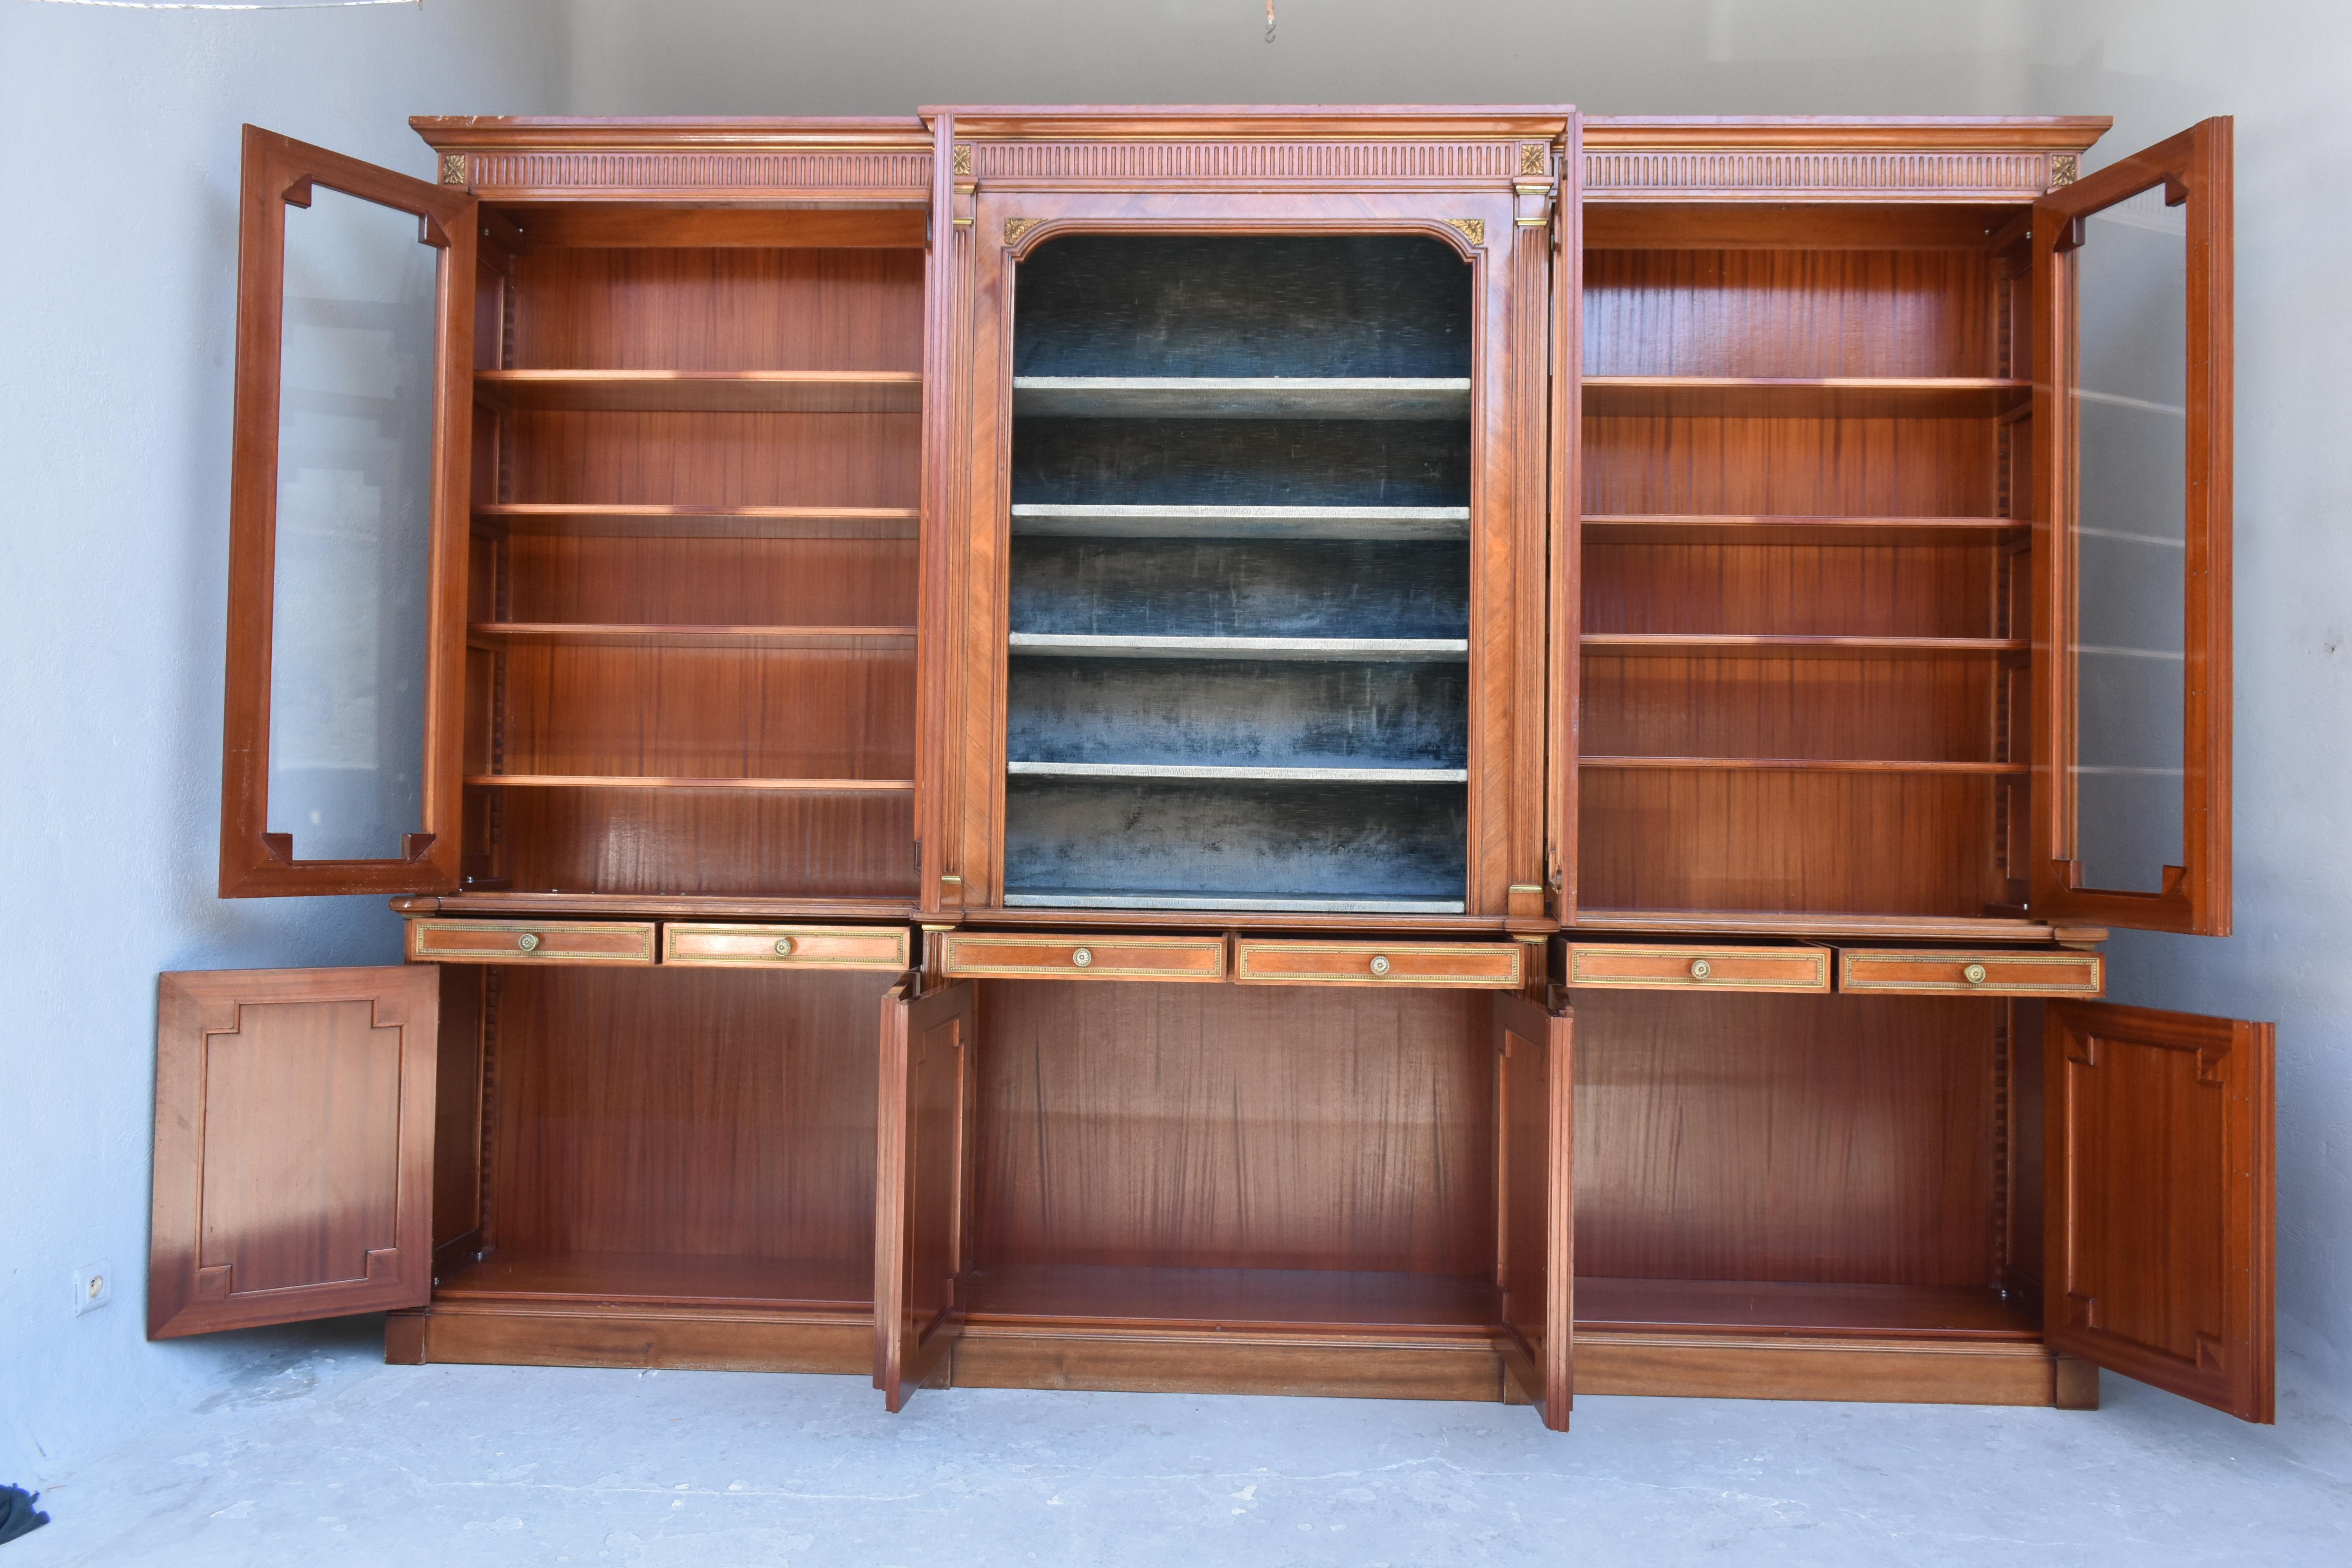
{"type": "Point", "coordinates": [1974, 975]}
{"type": "Point", "coordinates": [1083, 957]}
{"type": "Point", "coordinates": [1379, 963]}
{"type": "Point", "coordinates": [1701, 969]}
{"type": "Point", "coordinates": [527, 941]}
{"type": "Point", "coordinates": [783, 947]}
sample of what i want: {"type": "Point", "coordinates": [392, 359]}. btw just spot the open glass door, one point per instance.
{"type": "Point", "coordinates": [2132, 438]}
{"type": "Point", "coordinates": [1535, 1259]}
{"type": "Point", "coordinates": [2162, 1163]}
{"type": "Point", "coordinates": [294, 1118]}
{"type": "Point", "coordinates": [922, 1236]}
{"type": "Point", "coordinates": [340, 768]}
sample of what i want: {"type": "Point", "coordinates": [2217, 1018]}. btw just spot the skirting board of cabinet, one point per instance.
{"type": "Point", "coordinates": [688, 1337]}
{"type": "Point", "coordinates": [1881, 1371]}
{"type": "Point", "coordinates": [1319, 1365]}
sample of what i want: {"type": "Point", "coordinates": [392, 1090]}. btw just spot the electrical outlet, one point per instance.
{"type": "Point", "coordinates": [93, 1287]}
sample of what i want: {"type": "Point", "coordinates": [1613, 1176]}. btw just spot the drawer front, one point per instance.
{"type": "Point", "coordinates": [1497, 965]}
{"type": "Point", "coordinates": [1994, 974]}
{"type": "Point", "coordinates": [786, 947]}
{"type": "Point", "coordinates": [1612, 966]}
{"type": "Point", "coordinates": [1054, 957]}
{"type": "Point", "coordinates": [532, 941]}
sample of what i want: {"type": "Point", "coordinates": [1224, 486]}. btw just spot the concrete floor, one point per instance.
{"type": "Point", "coordinates": [320, 1456]}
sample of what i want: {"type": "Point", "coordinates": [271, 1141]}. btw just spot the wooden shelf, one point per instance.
{"type": "Point", "coordinates": [1325, 649]}
{"type": "Point", "coordinates": [1213, 773]}
{"type": "Point", "coordinates": [1241, 398]}
{"type": "Point", "coordinates": [1702, 644]}
{"type": "Point", "coordinates": [473, 900]}
{"type": "Point", "coordinates": [666, 1278]}
{"type": "Point", "coordinates": [702, 390]}
{"type": "Point", "coordinates": [1233, 1298]}
{"type": "Point", "coordinates": [1804, 396]}
{"type": "Point", "coordinates": [1130, 899]}
{"type": "Point", "coordinates": [1829, 924]}
{"type": "Point", "coordinates": [695, 522]}
{"type": "Point", "coordinates": [1801, 764]}
{"type": "Point", "coordinates": [1346, 522]}
{"type": "Point", "coordinates": [1745, 1307]}
{"type": "Point", "coordinates": [493, 634]}
{"type": "Point", "coordinates": [1766, 529]}
{"type": "Point", "coordinates": [619, 781]}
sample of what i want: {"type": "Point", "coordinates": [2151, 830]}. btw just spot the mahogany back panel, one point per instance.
{"type": "Point", "coordinates": [1836, 1140]}
{"type": "Point", "coordinates": [695, 1112]}
{"type": "Point", "coordinates": [1236, 1127]}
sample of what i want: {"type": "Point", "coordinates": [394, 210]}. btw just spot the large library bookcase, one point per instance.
{"type": "Point", "coordinates": [1464, 753]}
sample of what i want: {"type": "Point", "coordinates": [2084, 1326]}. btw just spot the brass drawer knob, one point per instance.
{"type": "Point", "coordinates": [1083, 957]}
{"type": "Point", "coordinates": [1701, 969]}
{"type": "Point", "coordinates": [1974, 975]}
{"type": "Point", "coordinates": [1380, 963]}
{"type": "Point", "coordinates": [783, 947]}
{"type": "Point", "coordinates": [527, 941]}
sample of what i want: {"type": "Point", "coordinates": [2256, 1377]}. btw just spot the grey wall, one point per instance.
{"type": "Point", "coordinates": [117, 295]}
{"type": "Point", "coordinates": [120, 130]}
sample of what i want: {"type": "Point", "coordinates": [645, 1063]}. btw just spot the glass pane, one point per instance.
{"type": "Point", "coordinates": [348, 640]}
{"type": "Point", "coordinates": [2132, 592]}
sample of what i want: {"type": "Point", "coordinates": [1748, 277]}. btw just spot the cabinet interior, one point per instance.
{"type": "Point", "coordinates": [1805, 574]}
{"type": "Point", "coordinates": [1239, 574]}
{"type": "Point", "coordinates": [692, 593]}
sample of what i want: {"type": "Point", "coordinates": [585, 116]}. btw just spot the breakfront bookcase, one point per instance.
{"type": "Point", "coordinates": [1448, 753]}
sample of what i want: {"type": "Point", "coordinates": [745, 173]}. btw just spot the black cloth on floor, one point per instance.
{"type": "Point", "coordinates": [17, 1515]}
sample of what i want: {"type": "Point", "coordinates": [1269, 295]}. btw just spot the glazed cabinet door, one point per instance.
{"type": "Point", "coordinates": [2131, 453]}
{"type": "Point", "coordinates": [339, 767]}
{"type": "Point", "coordinates": [922, 1238]}
{"type": "Point", "coordinates": [2161, 1163]}
{"type": "Point", "coordinates": [294, 1117]}
{"type": "Point", "coordinates": [1535, 1266]}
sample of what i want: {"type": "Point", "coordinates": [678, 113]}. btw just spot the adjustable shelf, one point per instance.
{"type": "Point", "coordinates": [1241, 398]}
{"type": "Point", "coordinates": [1216, 772]}
{"type": "Point", "coordinates": [1706, 645]}
{"type": "Point", "coordinates": [1798, 764]}
{"type": "Point", "coordinates": [495, 634]}
{"type": "Point", "coordinates": [1806, 396]}
{"type": "Point", "coordinates": [1069, 645]}
{"type": "Point", "coordinates": [702, 390]}
{"type": "Point", "coordinates": [652, 521]}
{"type": "Point", "coordinates": [1766, 529]}
{"type": "Point", "coordinates": [625, 781]}
{"type": "Point", "coordinates": [1128, 899]}
{"type": "Point", "coordinates": [1373, 523]}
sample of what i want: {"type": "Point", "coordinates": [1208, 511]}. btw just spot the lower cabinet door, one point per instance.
{"type": "Point", "coordinates": [294, 1112]}
{"type": "Point", "coordinates": [2162, 1161]}
{"type": "Point", "coordinates": [922, 1236]}
{"type": "Point", "coordinates": [1535, 1265]}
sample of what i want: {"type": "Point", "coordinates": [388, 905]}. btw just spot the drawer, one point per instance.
{"type": "Point", "coordinates": [1501, 965]}
{"type": "Point", "coordinates": [1627, 967]}
{"type": "Point", "coordinates": [532, 941]}
{"type": "Point", "coordinates": [786, 947]}
{"type": "Point", "coordinates": [1942, 971]}
{"type": "Point", "coordinates": [1055, 957]}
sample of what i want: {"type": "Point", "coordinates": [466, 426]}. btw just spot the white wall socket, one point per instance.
{"type": "Point", "coordinates": [93, 1287]}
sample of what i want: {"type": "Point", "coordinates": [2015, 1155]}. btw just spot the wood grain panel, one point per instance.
{"type": "Point", "coordinates": [530, 942]}
{"type": "Point", "coordinates": [1491, 964]}
{"type": "Point", "coordinates": [698, 1338]}
{"type": "Point", "coordinates": [1833, 468]}
{"type": "Point", "coordinates": [1995, 972]}
{"type": "Point", "coordinates": [923, 1236]}
{"type": "Point", "coordinates": [1233, 1127]}
{"type": "Point", "coordinates": [1895, 1370]}
{"type": "Point", "coordinates": [1789, 589]}
{"type": "Point", "coordinates": [1682, 967]}
{"type": "Point", "coordinates": [662, 309]}
{"type": "Point", "coordinates": [787, 946]}
{"type": "Point", "coordinates": [716, 460]}
{"type": "Point", "coordinates": [1823, 1139]}
{"type": "Point", "coordinates": [1789, 312]}
{"type": "Point", "coordinates": [1319, 1365]}
{"type": "Point", "coordinates": [710, 581]}
{"type": "Point", "coordinates": [709, 843]}
{"type": "Point", "coordinates": [1881, 844]}
{"type": "Point", "coordinates": [691, 1112]}
{"type": "Point", "coordinates": [1084, 957]}
{"type": "Point", "coordinates": [727, 712]}
{"type": "Point", "coordinates": [1920, 709]}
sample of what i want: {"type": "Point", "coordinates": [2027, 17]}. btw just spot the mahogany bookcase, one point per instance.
{"type": "Point", "coordinates": [1451, 752]}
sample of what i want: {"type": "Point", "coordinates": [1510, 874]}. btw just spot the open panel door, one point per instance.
{"type": "Point", "coordinates": [2132, 465]}
{"type": "Point", "coordinates": [340, 766]}
{"type": "Point", "coordinates": [294, 1114]}
{"type": "Point", "coordinates": [2161, 1169]}
{"type": "Point", "coordinates": [1535, 1260]}
{"type": "Point", "coordinates": [922, 1236]}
